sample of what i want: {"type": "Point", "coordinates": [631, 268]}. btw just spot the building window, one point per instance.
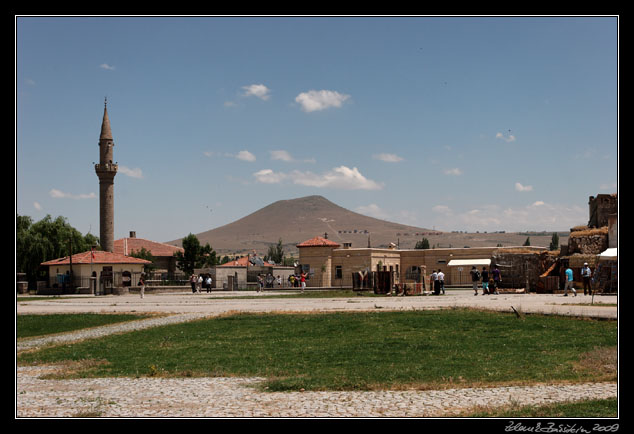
{"type": "Point", "coordinates": [338, 272]}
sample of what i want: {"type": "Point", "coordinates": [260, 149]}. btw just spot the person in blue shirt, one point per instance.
{"type": "Point", "coordinates": [569, 283]}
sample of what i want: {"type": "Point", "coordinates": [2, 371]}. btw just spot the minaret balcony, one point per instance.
{"type": "Point", "coordinates": [106, 168]}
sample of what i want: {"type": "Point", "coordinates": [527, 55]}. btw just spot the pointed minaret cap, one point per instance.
{"type": "Point", "coordinates": [106, 134]}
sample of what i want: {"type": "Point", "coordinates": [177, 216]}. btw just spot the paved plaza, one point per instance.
{"type": "Point", "coordinates": [235, 397]}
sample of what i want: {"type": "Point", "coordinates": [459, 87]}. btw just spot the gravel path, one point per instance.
{"type": "Point", "coordinates": [235, 397]}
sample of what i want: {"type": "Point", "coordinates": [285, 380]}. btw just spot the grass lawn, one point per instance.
{"type": "Point", "coordinates": [358, 351]}
{"type": "Point", "coordinates": [37, 325]}
{"type": "Point", "coordinates": [596, 408]}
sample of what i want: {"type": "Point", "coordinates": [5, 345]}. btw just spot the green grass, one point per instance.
{"type": "Point", "coordinates": [599, 408]}
{"type": "Point", "coordinates": [38, 325]}
{"type": "Point", "coordinates": [357, 351]}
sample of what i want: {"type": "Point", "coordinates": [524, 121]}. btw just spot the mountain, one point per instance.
{"type": "Point", "coordinates": [297, 220]}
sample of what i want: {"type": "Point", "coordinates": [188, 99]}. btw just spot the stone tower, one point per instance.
{"type": "Point", "coordinates": [106, 171]}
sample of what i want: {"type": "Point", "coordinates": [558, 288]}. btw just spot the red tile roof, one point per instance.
{"type": "Point", "coordinates": [125, 246]}
{"type": "Point", "coordinates": [100, 257]}
{"type": "Point", "coordinates": [242, 262]}
{"type": "Point", "coordinates": [318, 242]}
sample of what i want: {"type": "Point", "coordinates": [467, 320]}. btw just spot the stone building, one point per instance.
{"type": "Point", "coordinates": [600, 208]}
{"type": "Point", "coordinates": [330, 264]}
{"type": "Point", "coordinates": [94, 272]}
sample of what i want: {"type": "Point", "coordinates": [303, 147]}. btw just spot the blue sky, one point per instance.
{"type": "Point", "coordinates": [452, 123]}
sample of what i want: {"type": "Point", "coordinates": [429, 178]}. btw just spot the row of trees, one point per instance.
{"type": "Point", "coordinates": [195, 255]}
{"type": "Point", "coordinates": [45, 240]}
{"type": "Point", "coordinates": [51, 238]}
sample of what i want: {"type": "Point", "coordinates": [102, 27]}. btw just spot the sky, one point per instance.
{"type": "Point", "coordinates": [455, 123]}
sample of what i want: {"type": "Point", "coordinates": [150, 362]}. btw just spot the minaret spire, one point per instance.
{"type": "Point", "coordinates": [106, 172]}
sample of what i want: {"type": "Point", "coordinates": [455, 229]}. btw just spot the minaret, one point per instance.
{"type": "Point", "coordinates": [106, 171]}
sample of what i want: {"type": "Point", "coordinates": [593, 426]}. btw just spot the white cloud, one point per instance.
{"type": "Point", "coordinates": [57, 194]}
{"type": "Point", "coordinates": [373, 210]}
{"type": "Point", "coordinates": [107, 67]}
{"type": "Point", "coordinates": [442, 209]}
{"type": "Point", "coordinates": [281, 155]}
{"type": "Point", "coordinates": [37, 206]}
{"type": "Point", "coordinates": [537, 216]}
{"type": "Point", "coordinates": [132, 173]}
{"type": "Point", "coordinates": [388, 158]}
{"type": "Point", "coordinates": [341, 177]}
{"type": "Point", "coordinates": [520, 187]}
{"type": "Point", "coordinates": [257, 90]}
{"type": "Point", "coordinates": [267, 176]}
{"type": "Point", "coordinates": [286, 156]}
{"type": "Point", "coordinates": [455, 172]}
{"type": "Point", "coordinates": [245, 156]}
{"type": "Point", "coordinates": [315, 100]}
{"type": "Point", "coordinates": [508, 139]}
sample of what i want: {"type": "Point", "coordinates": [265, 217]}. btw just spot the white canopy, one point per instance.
{"type": "Point", "coordinates": [466, 262]}
{"type": "Point", "coordinates": [609, 254]}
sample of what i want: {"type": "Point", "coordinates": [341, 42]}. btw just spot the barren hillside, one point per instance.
{"type": "Point", "coordinates": [297, 220]}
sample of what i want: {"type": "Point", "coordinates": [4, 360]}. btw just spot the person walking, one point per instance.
{"type": "Point", "coordinates": [569, 283]}
{"type": "Point", "coordinates": [475, 278]}
{"type": "Point", "coordinates": [485, 281]}
{"type": "Point", "coordinates": [497, 278]}
{"type": "Point", "coordinates": [302, 280]}
{"type": "Point", "coordinates": [193, 281]}
{"type": "Point", "coordinates": [586, 273]}
{"type": "Point", "coordinates": [208, 282]}
{"type": "Point", "coordinates": [260, 283]}
{"type": "Point", "coordinates": [142, 285]}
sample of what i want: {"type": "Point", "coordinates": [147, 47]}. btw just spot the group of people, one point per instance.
{"type": "Point", "coordinates": [586, 275]}
{"type": "Point", "coordinates": [437, 281]}
{"type": "Point", "coordinates": [297, 280]}
{"type": "Point", "coordinates": [199, 282]}
{"type": "Point", "coordinates": [490, 281]}
{"type": "Point", "coordinates": [294, 281]}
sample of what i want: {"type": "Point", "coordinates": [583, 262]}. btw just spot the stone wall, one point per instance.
{"type": "Point", "coordinates": [517, 266]}
{"type": "Point", "coordinates": [588, 241]}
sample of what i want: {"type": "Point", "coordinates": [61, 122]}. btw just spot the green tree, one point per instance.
{"type": "Point", "coordinates": [275, 253]}
{"type": "Point", "coordinates": [45, 240]}
{"type": "Point", "coordinates": [194, 255]}
{"type": "Point", "coordinates": [144, 254]}
{"type": "Point", "coordinates": [422, 244]}
{"type": "Point", "coordinates": [554, 242]}
{"type": "Point", "coordinates": [527, 242]}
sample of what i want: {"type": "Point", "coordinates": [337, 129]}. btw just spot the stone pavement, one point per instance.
{"type": "Point", "coordinates": [234, 397]}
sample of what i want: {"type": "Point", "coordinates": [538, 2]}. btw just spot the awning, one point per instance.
{"type": "Point", "coordinates": [467, 262]}
{"type": "Point", "coordinates": [609, 254]}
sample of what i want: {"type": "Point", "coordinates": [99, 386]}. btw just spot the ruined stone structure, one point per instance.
{"type": "Point", "coordinates": [106, 171]}
{"type": "Point", "coordinates": [600, 208]}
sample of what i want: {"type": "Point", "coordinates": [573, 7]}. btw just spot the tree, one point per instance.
{"type": "Point", "coordinates": [422, 244]}
{"type": "Point", "coordinates": [276, 253]}
{"type": "Point", "coordinates": [554, 242]}
{"type": "Point", "coordinates": [45, 240]}
{"type": "Point", "coordinates": [194, 255]}
{"type": "Point", "coordinates": [527, 242]}
{"type": "Point", "coordinates": [144, 254]}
